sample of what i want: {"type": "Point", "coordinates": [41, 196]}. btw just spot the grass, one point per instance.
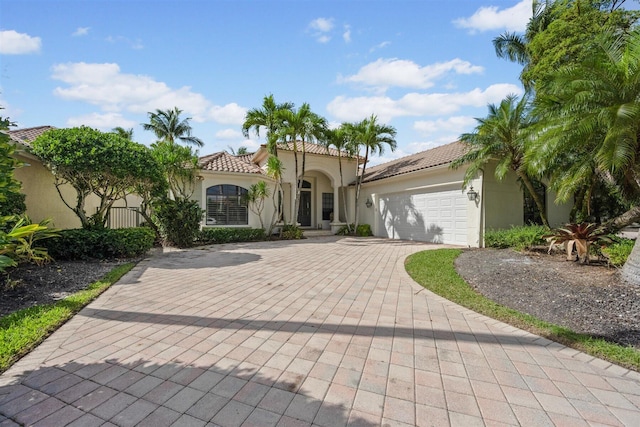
{"type": "Point", "coordinates": [445, 281]}
{"type": "Point", "coordinates": [23, 330]}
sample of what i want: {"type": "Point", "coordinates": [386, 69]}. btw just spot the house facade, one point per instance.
{"type": "Point", "coordinates": [417, 197]}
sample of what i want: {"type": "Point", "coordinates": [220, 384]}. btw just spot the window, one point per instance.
{"type": "Point", "coordinates": [227, 205]}
{"type": "Point", "coordinates": [327, 206]}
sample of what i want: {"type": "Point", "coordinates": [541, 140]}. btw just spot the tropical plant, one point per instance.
{"type": "Point", "coordinates": [255, 197]}
{"type": "Point", "coordinates": [93, 162]}
{"type": "Point", "coordinates": [9, 186]}
{"type": "Point", "coordinates": [122, 132]}
{"type": "Point", "coordinates": [371, 136]}
{"type": "Point", "coordinates": [178, 221]}
{"type": "Point", "coordinates": [580, 236]}
{"type": "Point", "coordinates": [19, 244]}
{"type": "Point", "coordinates": [268, 117]}
{"type": "Point", "coordinates": [501, 137]}
{"type": "Point", "coordinates": [338, 139]}
{"type": "Point", "coordinates": [170, 128]}
{"type": "Point", "coordinates": [179, 165]}
{"type": "Point", "coordinates": [275, 171]}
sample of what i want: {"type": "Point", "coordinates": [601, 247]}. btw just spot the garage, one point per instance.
{"type": "Point", "coordinates": [436, 216]}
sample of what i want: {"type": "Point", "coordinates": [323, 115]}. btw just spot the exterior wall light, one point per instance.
{"type": "Point", "coordinates": [472, 195]}
{"type": "Point", "coordinates": [368, 203]}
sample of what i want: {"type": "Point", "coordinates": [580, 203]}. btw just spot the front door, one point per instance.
{"type": "Point", "coordinates": [304, 213]}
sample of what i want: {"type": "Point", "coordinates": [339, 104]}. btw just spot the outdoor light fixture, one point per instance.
{"type": "Point", "coordinates": [369, 203]}
{"type": "Point", "coordinates": [472, 195]}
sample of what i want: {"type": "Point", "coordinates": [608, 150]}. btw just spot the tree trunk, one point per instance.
{"type": "Point", "coordinates": [344, 196]}
{"type": "Point", "coordinates": [631, 268]}
{"type": "Point", "coordinates": [536, 197]}
{"type": "Point", "coordinates": [296, 203]}
{"type": "Point", "coordinates": [627, 218]}
{"type": "Point", "coordinates": [358, 185]}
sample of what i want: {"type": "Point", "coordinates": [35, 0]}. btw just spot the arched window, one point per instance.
{"type": "Point", "coordinates": [227, 205]}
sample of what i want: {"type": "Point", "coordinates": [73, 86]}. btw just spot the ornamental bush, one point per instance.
{"type": "Point", "coordinates": [519, 238]}
{"type": "Point", "coordinates": [364, 230]}
{"type": "Point", "coordinates": [211, 235]}
{"type": "Point", "coordinates": [106, 243]}
{"type": "Point", "coordinates": [178, 221]}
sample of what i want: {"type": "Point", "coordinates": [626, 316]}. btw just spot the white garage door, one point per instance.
{"type": "Point", "coordinates": [437, 217]}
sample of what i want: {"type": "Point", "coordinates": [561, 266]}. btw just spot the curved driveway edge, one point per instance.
{"type": "Point", "coordinates": [327, 331]}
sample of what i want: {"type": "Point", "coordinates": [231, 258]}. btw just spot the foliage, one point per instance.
{"type": "Point", "coordinates": [519, 238]}
{"type": "Point", "coordinates": [18, 245]}
{"type": "Point", "coordinates": [275, 170]}
{"type": "Point", "coordinates": [435, 271]}
{"type": "Point", "coordinates": [178, 221]}
{"type": "Point", "coordinates": [9, 186]}
{"type": "Point", "coordinates": [363, 230]}
{"type": "Point", "coordinates": [581, 235]}
{"type": "Point", "coordinates": [179, 166]}
{"type": "Point", "coordinates": [209, 235]}
{"type": "Point", "coordinates": [13, 204]}
{"type": "Point", "coordinates": [618, 251]}
{"type": "Point", "coordinates": [81, 243]}
{"type": "Point", "coordinates": [255, 197]}
{"type": "Point", "coordinates": [373, 137]}
{"type": "Point", "coordinates": [291, 232]}
{"type": "Point", "coordinates": [22, 331]}
{"type": "Point", "coordinates": [338, 139]}
{"type": "Point", "coordinates": [268, 117]}
{"type": "Point", "coordinates": [93, 162]}
{"type": "Point", "coordinates": [168, 127]}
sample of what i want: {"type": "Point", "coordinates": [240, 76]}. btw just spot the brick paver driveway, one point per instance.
{"type": "Point", "coordinates": [327, 331]}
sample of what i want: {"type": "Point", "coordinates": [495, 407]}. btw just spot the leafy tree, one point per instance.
{"type": "Point", "coordinates": [180, 166]}
{"type": "Point", "coordinates": [255, 197]}
{"type": "Point", "coordinates": [338, 139]}
{"type": "Point", "coordinates": [93, 162]}
{"type": "Point", "coordinates": [275, 170]}
{"type": "Point", "coordinates": [122, 132]}
{"type": "Point", "coordinates": [298, 127]}
{"type": "Point", "coordinates": [9, 186]}
{"type": "Point", "coordinates": [268, 117]}
{"type": "Point", "coordinates": [239, 152]}
{"type": "Point", "coordinates": [169, 127]}
{"type": "Point", "coordinates": [372, 136]}
{"type": "Point", "coordinates": [502, 137]}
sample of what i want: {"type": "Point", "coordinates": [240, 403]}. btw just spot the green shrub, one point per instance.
{"type": "Point", "coordinates": [103, 243]}
{"type": "Point", "coordinates": [619, 251]}
{"type": "Point", "coordinates": [178, 221]}
{"type": "Point", "coordinates": [210, 235]}
{"type": "Point", "coordinates": [21, 243]}
{"type": "Point", "coordinates": [364, 230]}
{"type": "Point", "coordinates": [519, 238]}
{"type": "Point", "coordinates": [291, 232]}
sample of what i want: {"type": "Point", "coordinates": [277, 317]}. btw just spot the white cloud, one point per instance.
{"type": "Point", "coordinates": [133, 44]}
{"type": "Point", "coordinates": [455, 124]}
{"type": "Point", "coordinates": [416, 104]}
{"type": "Point", "coordinates": [104, 122]}
{"type": "Point", "coordinates": [346, 36]}
{"type": "Point", "coordinates": [384, 73]}
{"type": "Point", "coordinates": [105, 86]}
{"type": "Point", "coordinates": [229, 134]}
{"type": "Point", "coordinates": [490, 18]}
{"type": "Point", "coordinates": [320, 29]}
{"type": "Point", "coordinates": [14, 43]}
{"type": "Point", "coordinates": [380, 46]}
{"type": "Point", "coordinates": [81, 31]}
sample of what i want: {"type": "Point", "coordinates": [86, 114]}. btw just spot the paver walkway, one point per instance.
{"type": "Point", "coordinates": [327, 332]}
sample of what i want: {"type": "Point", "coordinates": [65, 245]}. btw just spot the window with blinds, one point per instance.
{"type": "Point", "coordinates": [227, 205]}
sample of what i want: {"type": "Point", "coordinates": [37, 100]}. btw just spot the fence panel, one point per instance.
{"type": "Point", "coordinates": [124, 217]}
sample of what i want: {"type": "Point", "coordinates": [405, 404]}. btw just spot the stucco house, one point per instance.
{"type": "Point", "coordinates": [417, 197]}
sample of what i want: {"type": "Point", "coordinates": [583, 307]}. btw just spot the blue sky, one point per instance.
{"type": "Point", "coordinates": [425, 67]}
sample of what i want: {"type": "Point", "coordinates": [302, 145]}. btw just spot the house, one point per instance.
{"type": "Point", "coordinates": [38, 184]}
{"type": "Point", "coordinates": [417, 197]}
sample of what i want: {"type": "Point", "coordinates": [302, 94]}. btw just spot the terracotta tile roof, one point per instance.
{"type": "Point", "coordinates": [313, 149]}
{"type": "Point", "coordinates": [426, 159]}
{"type": "Point", "coordinates": [27, 135]}
{"type": "Point", "coordinates": [225, 162]}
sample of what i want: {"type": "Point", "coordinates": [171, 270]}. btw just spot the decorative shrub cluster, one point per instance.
{"type": "Point", "coordinates": [103, 243]}
{"type": "Point", "coordinates": [364, 230]}
{"type": "Point", "coordinates": [178, 221]}
{"type": "Point", "coordinates": [291, 232]}
{"type": "Point", "coordinates": [522, 237]}
{"type": "Point", "coordinates": [210, 235]}
{"type": "Point", "coordinates": [619, 251]}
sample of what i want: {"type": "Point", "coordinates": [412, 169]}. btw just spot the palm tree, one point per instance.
{"type": "Point", "coordinates": [338, 139]}
{"type": "Point", "coordinates": [275, 170]}
{"type": "Point", "coordinates": [122, 132]}
{"type": "Point", "coordinates": [372, 136]}
{"type": "Point", "coordinates": [255, 197]}
{"type": "Point", "coordinates": [267, 117]}
{"type": "Point", "coordinates": [502, 137]}
{"type": "Point", "coordinates": [168, 127]}
{"type": "Point", "coordinates": [298, 127]}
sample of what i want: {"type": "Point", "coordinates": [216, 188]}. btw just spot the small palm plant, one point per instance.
{"type": "Point", "coordinates": [580, 236]}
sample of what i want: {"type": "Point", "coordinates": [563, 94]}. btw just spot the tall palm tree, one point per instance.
{"type": "Point", "coordinates": [372, 136]}
{"type": "Point", "coordinates": [502, 137]}
{"type": "Point", "coordinates": [122, 132]}
{"type": "Point", "coordinates": [266, 117]}
{"type": "Point", "coordinates": [169, 128]}
{"type": "Point", "coordinates": [275, 170]}
{"type": "Point", "coordinates": [298, 127]}
{"type": "Point", "coordinates": [338, 139]}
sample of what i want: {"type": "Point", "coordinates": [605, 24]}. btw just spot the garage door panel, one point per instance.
{"type": "Point", "coordinates": [438, 217]}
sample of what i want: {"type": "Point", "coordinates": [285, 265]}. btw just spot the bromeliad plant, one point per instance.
{"type": "Point", "coordinates": [578, 236]}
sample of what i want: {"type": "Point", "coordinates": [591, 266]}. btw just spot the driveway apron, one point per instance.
{"type": "Point", "coordinates": [327, 331]}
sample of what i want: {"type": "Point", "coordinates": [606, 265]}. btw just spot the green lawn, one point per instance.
{"type": "Point", "coordinates": [23, 330]}
{"type": "Point", "coordinates": [445, 281]}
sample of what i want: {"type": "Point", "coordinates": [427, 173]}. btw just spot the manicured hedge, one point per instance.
{"type": "Point", "coordinates": [100, 244]}
{"type": "Point", "coordinates": [210, 235]}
